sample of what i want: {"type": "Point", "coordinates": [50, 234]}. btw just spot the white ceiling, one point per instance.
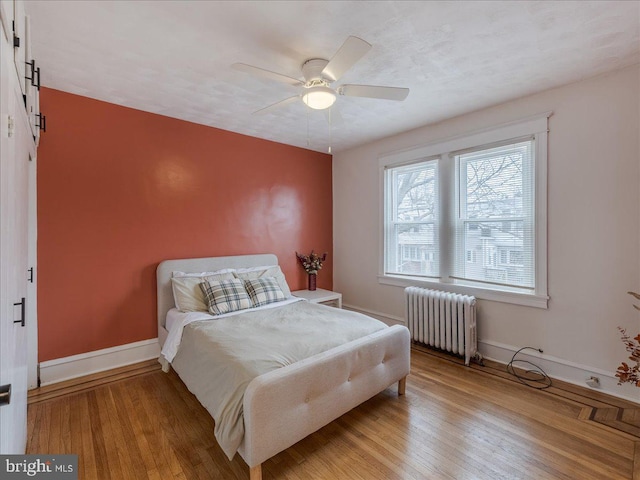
{"type": "Point", "coordinates": [173, 57]}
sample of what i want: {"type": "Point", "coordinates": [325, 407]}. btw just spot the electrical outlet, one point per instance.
{"type": "Point", "coordinates": [593, 382]}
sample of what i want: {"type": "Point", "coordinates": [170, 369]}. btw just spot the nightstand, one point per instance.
{"type": "Point", "coordinates": [325, 297]}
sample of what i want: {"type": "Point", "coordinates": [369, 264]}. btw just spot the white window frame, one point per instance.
{"type": "Point", "coordinates": [390, 214]}
{"type": "Point", "coordinates": [535, 127]}
{"type": "Point", "coordinates": [460, 216]}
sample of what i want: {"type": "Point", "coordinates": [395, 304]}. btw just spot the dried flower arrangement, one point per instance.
{"type": "Point", "coordinates": [311, 263]}
{"type": "Point", "coordinates": [630, 373]}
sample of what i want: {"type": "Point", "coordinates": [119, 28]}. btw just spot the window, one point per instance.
{"type": "Point", "coordinates": [495, 194]}
{"type": "Point", "coordinates": [469, 214]}
{"type": "Point", "coordinates": [412, 219]}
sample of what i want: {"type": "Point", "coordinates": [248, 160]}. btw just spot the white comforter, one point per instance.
{"type": "Point", "coordinates": [177, 320]}
{"type": "Point", "coordinates": [217, 359]}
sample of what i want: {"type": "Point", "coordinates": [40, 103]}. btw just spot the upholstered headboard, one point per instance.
{"type": "Point", "coordinates": [195, 265]}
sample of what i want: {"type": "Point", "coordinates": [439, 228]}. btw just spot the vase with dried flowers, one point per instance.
{"type": "Point", "coordinates": [630, 373]}
{"type": "Point", "coordinates": [312, 264]}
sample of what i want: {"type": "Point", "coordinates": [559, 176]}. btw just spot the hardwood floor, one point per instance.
{"type": "Point", "coordinates": [454, 422]}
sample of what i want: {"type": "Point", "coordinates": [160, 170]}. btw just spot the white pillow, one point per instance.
{"type": "Point", "coordinates": [176, 274]}
{"type": "Point", "coordinates": [266, 271]}
{"type": "Point", "coordinates": [187, 294]}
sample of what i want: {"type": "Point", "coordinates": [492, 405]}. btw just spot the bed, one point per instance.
{"type": "Point", "coordinates": [284, 405]}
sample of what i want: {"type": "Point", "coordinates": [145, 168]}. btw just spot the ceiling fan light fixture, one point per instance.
{"type": "Point", "coordinates": [319, 98]}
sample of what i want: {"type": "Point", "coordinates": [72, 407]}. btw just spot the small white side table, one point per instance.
{"type": "Point", "coordinates": [325, 297]}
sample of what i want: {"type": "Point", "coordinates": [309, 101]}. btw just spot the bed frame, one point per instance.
{"type": "Point", "coordinates": [285, 405]}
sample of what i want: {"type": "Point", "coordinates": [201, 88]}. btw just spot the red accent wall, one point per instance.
{"type": "Point", "coordinates": [120, 190]}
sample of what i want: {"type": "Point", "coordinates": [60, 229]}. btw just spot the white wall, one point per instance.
{"type": "Point", "coordinates": [593, 228]}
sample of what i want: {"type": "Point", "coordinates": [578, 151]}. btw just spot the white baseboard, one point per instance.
{"type": "Point", "coordinates": [555, 367]}
{"type": "Point", "coordinates": [66, 368]}
{"type": "Point", "coordinates": [383, 317]}
{"type": "Point", "coordinates": [561, 369]}
{"type": "Point", "coordinates": [60, 369]}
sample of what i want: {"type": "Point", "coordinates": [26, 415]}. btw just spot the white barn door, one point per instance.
{"type": "Point", "coordinates": [16, 147]}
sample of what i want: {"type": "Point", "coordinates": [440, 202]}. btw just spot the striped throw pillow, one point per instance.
{"type": "Point", "coordinates": [264, 290]}
{"type": "Point", "coordinates": [225, 296]}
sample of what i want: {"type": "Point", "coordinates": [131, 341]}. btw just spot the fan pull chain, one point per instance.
{"type": "Point", "coordinates": [308, 141]}
{"type": "Point", "coordinates": [330, 131]}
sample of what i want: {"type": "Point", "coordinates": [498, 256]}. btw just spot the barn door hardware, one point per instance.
{"type": "Point", "coordinates": [16, 39]}
{"type": "Point", "coordinates": [5, 394]}
{"type": "Point", "coordinates": [41, 123]}
{"type": "Point", "coordinates": [23, 307]}
{"type": "Point", "coordinates": [35, 74]}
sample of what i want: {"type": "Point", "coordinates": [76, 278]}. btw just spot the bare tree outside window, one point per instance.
{"type": "Point", "coordinates": [414, 215]}
{"type": "Point", "coordinates": [495, 214]}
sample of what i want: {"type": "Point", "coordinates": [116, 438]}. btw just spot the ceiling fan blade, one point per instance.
{"type": "Point", "coordinates": [277, 105]}
{"type": "Point", "coordinates": [261, 72]}
{"type": "Point", "coordinates": [372, 91]}
{"type": "Point", "coordinates": [352, 50]}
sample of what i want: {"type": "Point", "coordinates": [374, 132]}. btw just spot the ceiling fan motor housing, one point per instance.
{"type": "Point", "coordinates": [318, 95]}
{"type": "Point", "coordinates": [312, 70]}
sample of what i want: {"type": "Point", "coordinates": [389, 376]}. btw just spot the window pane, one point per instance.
{"type": "Point", "coordinates": [411, 240]}
{"type": "Point", "coordinates": [417, 248]}
{"type": "Point", "coordinates": [495, 206]}
{"type": "Point", "coordinates": [493, 181]}
{"type": "Point", "coordinates": [502, 253]}
{"type": "Point", "coordinates": [415, 193]}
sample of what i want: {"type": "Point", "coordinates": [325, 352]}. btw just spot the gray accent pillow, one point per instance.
{"type": "Point", "coordinates": [225, 296]}
{"type": "Point", "coordinates": [264, 290]}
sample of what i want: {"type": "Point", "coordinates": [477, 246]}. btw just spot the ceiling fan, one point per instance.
{"type": "Point", "coordinates": [319, 74]}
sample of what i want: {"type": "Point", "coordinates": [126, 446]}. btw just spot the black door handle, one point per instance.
{"type": "Point", "coordinates": [23, 307]}
{"type": "Point", "coordinates": [30, 279]}
{"type": "Point", "coordinates": [5, 395]}
{"type": "Point", "coordinates": [42, 122]}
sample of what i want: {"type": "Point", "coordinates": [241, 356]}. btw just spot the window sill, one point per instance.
{"type": "Point", "coordinates": [481, 293]}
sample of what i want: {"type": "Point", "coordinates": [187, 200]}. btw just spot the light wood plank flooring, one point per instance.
{"type": "Point", "coordinates": [454, 422]}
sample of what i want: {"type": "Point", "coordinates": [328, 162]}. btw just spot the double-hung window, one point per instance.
{"type": "Point", "coordinates": [412, 227]}
{"type": "Point", "coordinates": [469, 214]}
{"type": "Point", "coordinates": [495, 215]}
